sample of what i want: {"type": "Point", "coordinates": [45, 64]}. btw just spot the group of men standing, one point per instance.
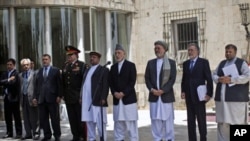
{"type": "Point", "coordinates": [85, 89]}
{"type": "Point", "coordinates": [231, 94]}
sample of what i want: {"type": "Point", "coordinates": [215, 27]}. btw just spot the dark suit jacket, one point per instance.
{"type": "Point", "coordinates": [151, 81]}
{"type": "Point", "coordinates": [48, 90]}
{"type": "Point", "coordinates": [13, 86]}
{"type": "Point", "coordinates": [123, 82]}
{"type": "Point", "coordinates": [99, 85]}
{"type": "Point", "coordinates": [200, 75]}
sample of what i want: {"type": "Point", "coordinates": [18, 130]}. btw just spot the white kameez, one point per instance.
{"type": "Point", "coordinates": [125, 112]}
{"type": "Point", "coordinates": [229, 113]}
{"type": "Point", "coordinates": [125, 118]}
{"type": "Point", "coordinates": [161, 111]}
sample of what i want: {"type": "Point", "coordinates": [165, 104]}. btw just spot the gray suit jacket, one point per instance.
{"type": "Point", "coordinates": [31, 86]}
{"type": "Point", "coordinates": [151, 81]}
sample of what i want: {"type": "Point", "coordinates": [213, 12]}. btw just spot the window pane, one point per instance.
{"type": "Point", "coordinates": [86, 32]}
{"type": "Point", "coordinates": [4, 38]}
{"type": "Point", "coordinates": [186, 33]}
{"type": "Point", "coordinates": [99, 33]}
{"type": "Point", "coordinates": [30, 34]}
{"type": "Point", "coordinates": [120, 30]}
{"type": "Point", "coordinates": [63, 30]}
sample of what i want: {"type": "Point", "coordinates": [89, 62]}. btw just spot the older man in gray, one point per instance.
{"type": "Point", "coordinates": [160, 77]}
{"type": "Point", "coordinates": [30, 111]}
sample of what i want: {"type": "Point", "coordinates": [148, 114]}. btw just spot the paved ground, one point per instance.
{"type": "Point", "coordinates": [144, 127]}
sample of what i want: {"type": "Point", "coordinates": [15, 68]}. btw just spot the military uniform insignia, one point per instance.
{"type": "Point", "coordinates": [76, 69]}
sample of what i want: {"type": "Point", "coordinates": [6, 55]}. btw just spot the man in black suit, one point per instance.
{"type": "Point", "coordinates": [11, 86]}
{"type": "Point", "coordinates": [122, 78]}
{"type": "Point", "coordinates": [48, 97]}
{"type": "Point", "coordinates": [160, 77]}
{"type": "Point", "coordinates": [196, 72]}
{"type": "Point", "coordinates": [72, 75]}
{"type": "Point", "coordinates": [94, 93]}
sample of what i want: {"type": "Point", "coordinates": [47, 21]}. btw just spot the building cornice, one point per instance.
{"type": "Point", "coordinates": [121, 5]}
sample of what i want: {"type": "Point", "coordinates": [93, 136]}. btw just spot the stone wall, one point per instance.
{"type": "Point", "coordinates": [223, 26]}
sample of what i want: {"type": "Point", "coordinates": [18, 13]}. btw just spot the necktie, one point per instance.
{"type": "Point", "coordinates": [45, 73]}
{"type": "Point", "coordinates": [191, 65]}
{"type": "Point", "coordinates": [26, 74]}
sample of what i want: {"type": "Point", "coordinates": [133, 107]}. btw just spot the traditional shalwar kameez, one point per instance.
{"type": "Point", "coordinates": [230, 113]}
{"type": "Point", "coordinates": [162, 114]}
{"type": "Point", "coordinates": [92, 114]}
{"type": "Point", "coordinates": [125, 118]}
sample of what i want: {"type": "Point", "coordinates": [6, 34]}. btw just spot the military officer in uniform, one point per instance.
{"type": "Point", "coordinates": [72, 75]}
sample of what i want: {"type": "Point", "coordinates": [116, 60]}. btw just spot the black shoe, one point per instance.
{"type": "Point", "coordinates": [26, 137]}
{"type": "Point", "coordinates": [7, 136]}
{"type": "Point", "coordinates": [18, 137]}
{"type": "Point", "coordinates": [57, 138]}
{"type": "Point", "coordinates": [77, 139]}
{"type": "Point", "coordinates": [36, 137]}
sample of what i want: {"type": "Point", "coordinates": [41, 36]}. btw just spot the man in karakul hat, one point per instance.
{"type": "Point", "coordinates": [72, 76]}
{"type": "Point", "coordinates": [122, 78]}
{"type": "Point", "coordinates": [161, 93]}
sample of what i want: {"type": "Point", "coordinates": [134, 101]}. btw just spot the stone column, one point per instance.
{"type": "Point", "coordinates": [48, 47]}
{"type": "Point", "coordinates": [80, 34]}
{"type": "Point", "coordinates": [13, 48]}
{"type": "Point", "coordinates": [108, 37]}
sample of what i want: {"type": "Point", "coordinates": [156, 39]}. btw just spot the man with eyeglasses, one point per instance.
{"type": "Point", "coordinates": [29, 110]}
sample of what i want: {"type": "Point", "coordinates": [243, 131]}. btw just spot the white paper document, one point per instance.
{"type": "Point", "coordinates": [202, 92]}
{"type": "Point", "coordinates": [231, 71]}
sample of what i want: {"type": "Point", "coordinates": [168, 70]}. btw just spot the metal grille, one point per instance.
{"type": "Point", "coordinates": [182, 28]}
{"type": "Point", "coordinates": [186, 33]}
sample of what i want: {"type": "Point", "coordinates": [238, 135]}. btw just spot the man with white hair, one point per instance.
{"type": "Point", "coordinates": [122, 78]}
{"type": "Point", "coordinates": [30, 111]}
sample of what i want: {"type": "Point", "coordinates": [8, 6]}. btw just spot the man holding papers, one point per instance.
{"type": "Point", "coordinates": [231, 96]}
{"type": "Point", "coordinates": [197, 89]}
